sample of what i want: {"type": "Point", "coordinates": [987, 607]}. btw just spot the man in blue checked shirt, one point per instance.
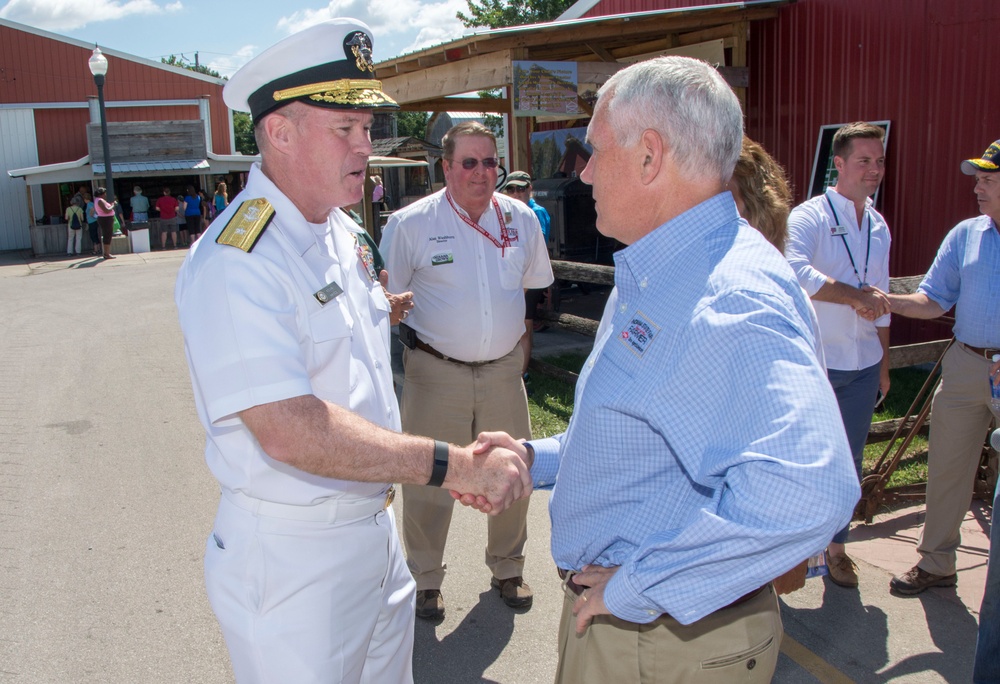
{"type": "Point", "coordinates": [965, 275]}
{"type": "Point", "coordinates": [705, 455]}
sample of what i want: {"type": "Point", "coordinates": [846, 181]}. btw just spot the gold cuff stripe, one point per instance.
{"type": "Point", "coordinates": [341, 86]}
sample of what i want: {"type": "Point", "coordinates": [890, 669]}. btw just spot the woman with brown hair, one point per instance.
{"type": "Point", "coordinates": [764, 199]}
{"type": "Point", "coordinates": [105, 219]}
{"type": "Point", "coordinates": [761, 193]}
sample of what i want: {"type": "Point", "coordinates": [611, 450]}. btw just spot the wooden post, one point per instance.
{"type": "Point", "coordinates": [520, 127]}
{"type": "Point", "coordinates": [741, 32]}
{"type": "Point", "coordinates": [31, 207]}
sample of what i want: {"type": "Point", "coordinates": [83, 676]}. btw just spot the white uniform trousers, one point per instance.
{"type": "Point", "coordinates": [311, 602]}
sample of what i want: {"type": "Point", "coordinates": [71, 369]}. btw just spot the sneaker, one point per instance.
{"type": "Point", "coordinates": [514, 590]}
{"type": "Point", "coordinates": [842, 570]}
{"type": "Point", "coordinates": [916, 579]}
{"type": "Point", "coordinates": [430, 604]}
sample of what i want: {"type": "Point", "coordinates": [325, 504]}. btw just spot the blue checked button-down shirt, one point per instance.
{"type": "Point", "coordinates": [706, 454]}
{"type": "Point", "coordinates": [966, 274]}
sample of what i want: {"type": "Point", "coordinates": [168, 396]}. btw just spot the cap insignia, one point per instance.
{"type": "Point", "coordinates": [358, 45]}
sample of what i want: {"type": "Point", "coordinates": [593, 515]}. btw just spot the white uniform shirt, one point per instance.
{"type": "Point", "coordinates": [254, 333]}
{"type": "Point", "coordinates": [468, 294]}
{"type": "Point", "coordinates": [849, 341]}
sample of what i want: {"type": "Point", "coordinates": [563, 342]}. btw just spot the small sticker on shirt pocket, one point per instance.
{"type": "Point", "coordinates": [442, 258]}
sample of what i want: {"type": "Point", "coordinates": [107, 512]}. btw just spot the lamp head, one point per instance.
{"type": "Point", "coordinates": [98, 63]}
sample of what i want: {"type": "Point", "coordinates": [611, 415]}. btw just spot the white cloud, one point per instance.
{"type": "Point", "coordinates": [228, 64]}
{"type": "Point", "coordinates": [68, 15]}
{"type": "Point", "coordinates": [399, 25]}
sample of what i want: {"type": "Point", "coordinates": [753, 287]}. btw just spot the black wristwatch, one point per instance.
{"type": "Point", "coordinates": [440, 469]}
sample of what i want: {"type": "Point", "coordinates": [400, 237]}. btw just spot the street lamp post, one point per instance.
{"type": "Point", "coordinates": [99, 67]}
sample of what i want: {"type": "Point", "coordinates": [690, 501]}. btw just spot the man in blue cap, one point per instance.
{"type": "Point", "coordinates": [965, 275]}
{"type": "Point", "coordinates": [286, 331]}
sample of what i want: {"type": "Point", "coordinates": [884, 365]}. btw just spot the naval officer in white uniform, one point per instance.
{"type": "Point", "coordinates": [286, 328]}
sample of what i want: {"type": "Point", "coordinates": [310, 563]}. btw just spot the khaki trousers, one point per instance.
{"type": "Point", "coordinates": [738, 644]}
{"type": "Point", "coordinates": [454, 403]}
{"type": "Point", "coordinates": [960, 419]}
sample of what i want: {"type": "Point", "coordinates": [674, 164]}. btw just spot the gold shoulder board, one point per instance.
{"type": "Point", "coordinates": [247, 224]}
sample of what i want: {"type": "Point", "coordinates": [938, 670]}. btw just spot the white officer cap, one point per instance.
{"type": "Point", "coordinates": [326, 65]}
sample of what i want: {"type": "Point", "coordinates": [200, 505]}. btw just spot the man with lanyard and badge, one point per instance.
{"type": "Point", "coordinates": [467, 253]}
{"type": "Point", "coordinates": [838, 246]}
{"type": "Point", "coordinates": [286, 332]}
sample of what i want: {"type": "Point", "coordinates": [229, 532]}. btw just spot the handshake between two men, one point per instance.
{"type": "Point", "coordinates": [494, 452]}
{"type": "Point", "coordinates": [871, 303]}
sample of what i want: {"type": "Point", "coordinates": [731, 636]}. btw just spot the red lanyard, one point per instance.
{"type": "Point", "coordinates": [504, 241]}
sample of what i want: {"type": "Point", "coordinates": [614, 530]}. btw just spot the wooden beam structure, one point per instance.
{"type": "Point", "coordinates": [480, 72]}
{"type": "Point", "coordinates": [430, 79]}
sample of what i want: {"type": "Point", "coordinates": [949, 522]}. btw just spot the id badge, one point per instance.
{"type": "Point", "coordinates": [838, 230]}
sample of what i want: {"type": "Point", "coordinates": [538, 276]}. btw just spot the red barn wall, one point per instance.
{"type": "Point", "coordinates": [917, 63]}
{"type": "Point", "coordinates": [38, 69]}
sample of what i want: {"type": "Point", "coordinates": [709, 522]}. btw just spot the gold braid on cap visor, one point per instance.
{"type": "Point", "coordinates": [344, 91]}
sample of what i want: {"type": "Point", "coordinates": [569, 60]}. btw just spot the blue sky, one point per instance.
{"type": "Point", "coordinates": [227, 33]}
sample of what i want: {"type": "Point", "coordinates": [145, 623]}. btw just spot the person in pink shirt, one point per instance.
{"type": "Point", "coordinates": [105, 218]}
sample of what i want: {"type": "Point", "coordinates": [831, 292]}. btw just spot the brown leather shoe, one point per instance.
{"type": "Point", "coordinates": [514, 590]}
{"type": "Point", "coordinates": [843, 571]}
{"type": "Point", "coordinates": [430, 604]}
{"type": "Point", "coordinates": [916, 579]}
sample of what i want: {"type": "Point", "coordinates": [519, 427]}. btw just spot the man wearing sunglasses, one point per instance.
{"type": "Point", "coordinates": [519, 187]}
{"type": "Point", "coordinates": [467, 253]}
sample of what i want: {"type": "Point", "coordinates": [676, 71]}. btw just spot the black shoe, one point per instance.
{"type": "Point", "coordinates": [430, 604]}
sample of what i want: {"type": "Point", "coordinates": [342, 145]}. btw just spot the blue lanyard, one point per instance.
{"type": "Point", "coordinates": [836, 221]}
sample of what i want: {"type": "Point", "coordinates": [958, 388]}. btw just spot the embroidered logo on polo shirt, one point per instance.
{"type": "Point", "coordinates": [443, 258]}
{"type": "Point", "coordinates": [638, 334]}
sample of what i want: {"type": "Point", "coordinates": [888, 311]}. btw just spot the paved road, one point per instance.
{"type": "Point", "coordinates": [105, 502]}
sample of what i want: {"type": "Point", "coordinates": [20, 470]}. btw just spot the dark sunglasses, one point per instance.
{"type": "Point", "coordinates": [469, 164]}
{"type": "Point", "coordinates": [515, 190]}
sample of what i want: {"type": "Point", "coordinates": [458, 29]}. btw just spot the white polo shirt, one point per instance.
{"type": "Point", "coordinates": [255, 333]}
{"type": "Point", "coordinates": [468, 294]}
{"type": "Point", "coordinates": [815, 252]}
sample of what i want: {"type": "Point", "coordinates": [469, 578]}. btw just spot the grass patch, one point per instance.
{"type": "Point", "coordinates": [912, 468]}
{"type": "Point", "coordinates": [551, 404]}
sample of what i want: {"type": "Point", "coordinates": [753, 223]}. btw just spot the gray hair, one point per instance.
{"type": "Point", "coordinates": [688, 103]}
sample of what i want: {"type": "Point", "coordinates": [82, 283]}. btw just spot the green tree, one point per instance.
{"type": "Point", "coordinates": [492, 121]}
{"type": "Point", "coordinates": [246, 143]}
{"type": "Point", "coordinates": [412, 124]}
{"type": "Point", "coordinates": [500, 13]}
{"type": "Point", "coordinates": [174, 60]}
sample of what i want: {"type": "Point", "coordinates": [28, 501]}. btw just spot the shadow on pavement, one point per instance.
{"type": "Point", "coordinates": [955, 637]}
{"type": "Point", "coordinates": [469, 650]}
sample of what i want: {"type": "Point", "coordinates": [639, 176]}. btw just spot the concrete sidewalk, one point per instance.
{"type": "Point", "coordinates": [106, 502]}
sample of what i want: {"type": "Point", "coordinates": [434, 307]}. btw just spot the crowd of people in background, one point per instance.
{"type": "Point", "coordinates": [182, 216]}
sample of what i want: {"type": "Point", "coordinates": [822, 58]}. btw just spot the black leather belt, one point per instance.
{"type": "Point", "coordinates": [986, 352]}
{"type": "Point", "coordinates": [424, 347]}
{"type": "Point", "coordinates": [567, 577]}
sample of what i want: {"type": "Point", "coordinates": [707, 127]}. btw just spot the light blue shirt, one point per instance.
{"type": "Point", "coordinates": [706, 454]}
{"type": "Point", "coordinates": [544, 220]}
{"type": "Point", "coordinates": [966, 274]}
